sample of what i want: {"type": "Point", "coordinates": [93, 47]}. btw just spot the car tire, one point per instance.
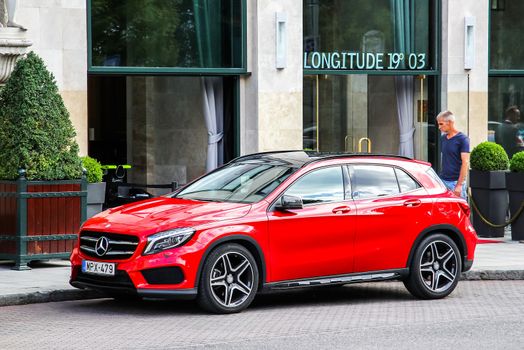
{"type": "Point", "coordinates": [435, 268]}
{"type": "Point", "coordinates": [229, 280]}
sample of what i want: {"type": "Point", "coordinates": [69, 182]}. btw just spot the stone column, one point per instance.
{"type": "Point", "coordinates": [271, 97]}
{"type": "Point", "coordinates": [13, 45]}
{"type": "Point", "coordinates": [465, 91]}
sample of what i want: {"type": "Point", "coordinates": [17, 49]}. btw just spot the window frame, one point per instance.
{"type": "Point", "coordinates": [125, 70]}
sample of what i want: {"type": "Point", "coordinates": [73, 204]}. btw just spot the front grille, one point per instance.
{"type": "Point", "coordinates": [120, 280]}
{"type": "Point", "coordinates": [120, 246]}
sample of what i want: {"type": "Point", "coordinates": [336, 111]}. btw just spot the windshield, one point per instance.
{"type": "Point", "coordinates": [246, 182]}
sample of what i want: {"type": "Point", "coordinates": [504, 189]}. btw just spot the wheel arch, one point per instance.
{"type": "Point", "coordinates": [446, 229]}
{"type": "Point", "coordinates": [247, 242]}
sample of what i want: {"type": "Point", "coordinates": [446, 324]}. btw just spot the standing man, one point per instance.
{"type": "Point", "coordinates": [455, 154]}
{"type": "Point", "coordinates": [507, 133]}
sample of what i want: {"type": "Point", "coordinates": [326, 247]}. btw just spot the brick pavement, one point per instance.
{"type": "Point", "coordinates": [477, 315]}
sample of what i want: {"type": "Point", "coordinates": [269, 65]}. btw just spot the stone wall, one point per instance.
{"type": "Point", "coordinates": [167, 135]}
{"type": "Point", "coordinates": [57, 29]}
{"type": "Point", "coordinates": [465, 92]}
{"type": "Point", "coordinates": [271, 98]}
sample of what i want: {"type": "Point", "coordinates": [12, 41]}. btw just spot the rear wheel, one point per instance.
{"type": "Point", "coordinates": [435, 268]}
{"type": "Point", "coordinates": [229, 280]}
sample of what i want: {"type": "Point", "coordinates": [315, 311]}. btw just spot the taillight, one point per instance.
{"type": "Point", "coordinates": [465, 208]}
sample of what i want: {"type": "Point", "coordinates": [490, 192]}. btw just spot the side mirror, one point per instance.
{"type": "Point", "coordinates": [287, 202]}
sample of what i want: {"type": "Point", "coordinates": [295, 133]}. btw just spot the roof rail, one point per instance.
{"type": "Point", "coordinates": [335, 155]}
{"type": "Point", "coordinates": [264, 153]}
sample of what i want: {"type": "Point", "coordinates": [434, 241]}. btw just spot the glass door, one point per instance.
{"type": "Point", "coordinates": [366, 113]}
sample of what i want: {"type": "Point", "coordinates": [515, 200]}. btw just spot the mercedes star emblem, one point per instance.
{"type": "Point", "coordinates": [102, 246]}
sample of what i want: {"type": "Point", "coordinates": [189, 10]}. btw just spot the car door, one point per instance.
{"type": "Point", "coordinates": [392, 209]}
{"type": "Point", "coordinates": [316, 240]}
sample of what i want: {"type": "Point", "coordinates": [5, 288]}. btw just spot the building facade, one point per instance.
{"type": "Point", "coordinates": [177, 87]}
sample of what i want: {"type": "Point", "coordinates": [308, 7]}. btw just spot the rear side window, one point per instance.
{"type": "Point", "coordinates": [368, 181]}
{"type": "Point", "coordinates": [405, 182]}
{"type": "Point", "coordinates": [435, 177]}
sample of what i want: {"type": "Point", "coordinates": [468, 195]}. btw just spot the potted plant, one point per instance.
{"type": "Point", "coordinates": [487, 179]}
{"type": "Point", "coordinates": [515, 186]}
{"type": "Point", "coordinates": [42, 188]}
{"type": "Point", "coordinates": [96, 189]}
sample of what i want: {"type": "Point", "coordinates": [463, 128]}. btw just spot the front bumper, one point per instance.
{"type": "Point", "coordinates": [166, 275]}
{"type": "Point", "coordinates": [175, 294]}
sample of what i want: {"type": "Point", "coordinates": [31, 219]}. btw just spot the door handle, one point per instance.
{"type": "Point", "coordinates": [341, 210]}
{"type": "Point", "coordinates": [412, 203]}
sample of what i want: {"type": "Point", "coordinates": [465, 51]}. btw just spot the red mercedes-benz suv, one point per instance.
{"type": "Point", "coordinates": [282, 220]}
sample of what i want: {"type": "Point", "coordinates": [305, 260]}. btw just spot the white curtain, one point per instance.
{"type": "Point", "coordinates": [405, 113]}
{"type": "Point", "coordinates": [403, 15]}
{"type": "Point", "coordinates": [213, 103]}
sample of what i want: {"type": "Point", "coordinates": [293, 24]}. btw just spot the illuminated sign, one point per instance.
{"type": "Point", "coordinates": [364, 60]}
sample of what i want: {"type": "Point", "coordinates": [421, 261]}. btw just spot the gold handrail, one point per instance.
{"type": "Point", "coordinates": [360, 144]}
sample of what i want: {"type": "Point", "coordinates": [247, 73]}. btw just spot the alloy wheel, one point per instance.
{"type": "Point", "coordinates": [231, 279]}
{"type": "Point", "coordinates": [438, 266]}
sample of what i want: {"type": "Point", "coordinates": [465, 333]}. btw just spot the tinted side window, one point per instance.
{"type": "Point", "coordinates": [370, 181]}
{"type": "Point", "coordinates": [405, 182]}
{"type": "Point", "coordinates": [319, 186]}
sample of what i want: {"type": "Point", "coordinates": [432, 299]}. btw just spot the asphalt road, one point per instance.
{"type": "Point", "coordinates": [478, 315]}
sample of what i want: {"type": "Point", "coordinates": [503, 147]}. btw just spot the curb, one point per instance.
{"type": "Point", "coordinates": [493, 275]}
{"type": "Point", "coordinates": [48, 296]}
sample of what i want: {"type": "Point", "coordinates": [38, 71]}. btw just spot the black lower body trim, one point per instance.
{"type": "Point", "coordinates": [467, 265]}
{"type": "Point", "coordinates": [340, 279]}
{"type": "Point", "coordinates": [171, 294]}
{"type": "Point", "coordinates": [184, 294]}
{"type": "Point", "coordinates": [111, 290]}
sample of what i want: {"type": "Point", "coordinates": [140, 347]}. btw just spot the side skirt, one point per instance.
{"type": "Point", "coordinates": [339, 279]}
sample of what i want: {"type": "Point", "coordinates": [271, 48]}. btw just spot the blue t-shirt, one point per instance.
{"type": "Point", "coordinates": [451, 150]}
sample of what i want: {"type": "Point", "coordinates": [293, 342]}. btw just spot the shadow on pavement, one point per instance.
{"type": "Point", "coordinates": [307, 297]}
{"type": "Point", "coordinates": [347, 294]}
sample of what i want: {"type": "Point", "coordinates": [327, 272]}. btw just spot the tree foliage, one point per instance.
{"type": "Point", "coordinates": [36, 133]}
{"type": "Point", "coordinates": [142, 33]}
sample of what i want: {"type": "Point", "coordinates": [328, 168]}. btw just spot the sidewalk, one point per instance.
{"type": "Point", "coordinates": [501, 259]}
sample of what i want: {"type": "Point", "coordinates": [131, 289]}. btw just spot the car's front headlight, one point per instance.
{"type": "Point", "coordinates": [168, 239]}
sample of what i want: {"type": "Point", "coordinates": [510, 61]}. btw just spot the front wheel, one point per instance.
{"type": "Point", "coordinates": [435, 268]}
{"type": "Point", "coordinates": [229, 280]}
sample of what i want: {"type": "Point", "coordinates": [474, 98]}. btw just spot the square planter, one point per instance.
{"type": "Point", "coordinates": [39, 220]}
{"type": "Point", "coordinates": [489, 193]}
{"type": "Point", "coordinates": [96, 195]}
{"type": "Point", "coordinates": [515, 185]}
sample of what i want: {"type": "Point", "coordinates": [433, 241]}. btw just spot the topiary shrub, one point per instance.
{"type": "Point", "coordinates": [93, 168]}
{"type": "Point", "coordinates": [489, 156]}
{"type": "Point", "coordinates": [517, 162]}
{"type": "Point", "coordinates": [35, 131]}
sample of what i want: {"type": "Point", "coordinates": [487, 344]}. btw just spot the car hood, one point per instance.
{"type": "Point", "coordinates": [164, 213]}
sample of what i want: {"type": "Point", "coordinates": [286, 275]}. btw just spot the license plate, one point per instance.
{"type": "Point", "coordinates": [98, 268]}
